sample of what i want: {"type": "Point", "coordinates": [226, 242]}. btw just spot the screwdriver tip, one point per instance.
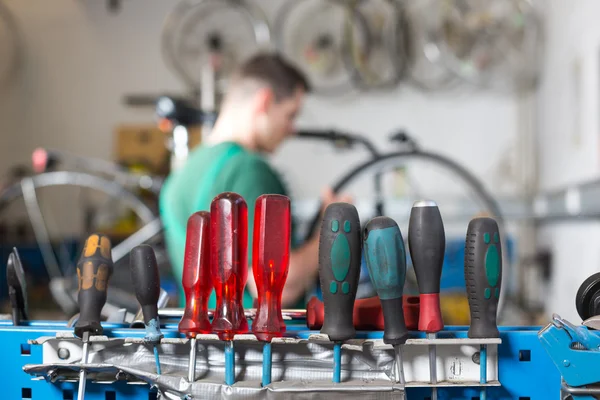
{"type": "Point", "coordinates": [424, 203]}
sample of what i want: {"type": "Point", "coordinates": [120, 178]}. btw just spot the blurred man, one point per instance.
{"type": "Point", "coordinates": [258, 113]}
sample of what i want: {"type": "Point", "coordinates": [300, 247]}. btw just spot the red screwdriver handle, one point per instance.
{"type": "Point", "coordinates": [229, 262]}
{"type": "Point", "coordinates": [270, 262]}
{"type": "Point", "coordinates": [197, 279]}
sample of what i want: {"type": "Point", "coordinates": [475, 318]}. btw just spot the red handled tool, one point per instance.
{"type": "Point", "coordinates": [197, 283]}
{"type": "Point", "coordinates": [270, 263]}
{"type": "Point", "coordinates": [229, 266]}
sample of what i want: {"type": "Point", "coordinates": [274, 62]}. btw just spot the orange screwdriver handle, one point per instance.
{"type": "Point", "coordinates": [229, 262]}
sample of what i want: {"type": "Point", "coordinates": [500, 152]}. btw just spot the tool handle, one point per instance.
{"type": "Point", "coordinates": [339, 268]}
{"type": "Point", "coordinates": [229, 262]}
{"type": "Point", "coordinates": [386, 261]}
{"type": "Point", "coordinates": [93, 272]}
{"type": "Point", "coordinates": [367, 314]}
{"type": "Point", "coordinates": [270, 262]}
{"type": "Point", "coordinates": [483, 276]}
{"type": "Point", "coordinates": [146, 281]}
{"type": "Point", "coordinates": [427, 243]}
{"type": "Point", "coordinates": [197, 279]}
{"type": "Point", "coordinates": [17, 289]}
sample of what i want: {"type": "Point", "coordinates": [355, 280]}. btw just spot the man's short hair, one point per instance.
{"type": "Point", "coordinates": [269, 69]}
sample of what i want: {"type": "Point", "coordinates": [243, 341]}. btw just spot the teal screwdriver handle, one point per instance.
{"type": "Point", "coordinates": [339, 268]}
{"type": "Point", "coordinates": [483, 276]}
{"type": "Point", "coordinates": [386, 261]}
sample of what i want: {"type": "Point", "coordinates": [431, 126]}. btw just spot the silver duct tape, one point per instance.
{"type": "Point", "coordinates": [298, 366]}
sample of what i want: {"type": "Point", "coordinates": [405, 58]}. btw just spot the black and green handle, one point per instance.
{"type": "Point", "coordinates": [339, 268]}
{"type": "Point", "coordinates": [483, 276]}
{"type": "Point", "coordinates": [93, 272]}
{"type": "Point", "coordinates": [386, 261]}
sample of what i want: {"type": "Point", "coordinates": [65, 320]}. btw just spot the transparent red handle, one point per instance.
{"type": "Point", "coordinates": [197, 279]}
{"type": "Point", "coordinates": [229, 265]}
{"type": "Point", "coordinates": [270, 262]}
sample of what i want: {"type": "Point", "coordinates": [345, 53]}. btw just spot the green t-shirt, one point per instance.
{"type": "Point", "coordinates": [209, 171]}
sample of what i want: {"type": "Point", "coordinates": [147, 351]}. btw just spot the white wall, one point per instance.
{"type": "Point", "coordinates": [568, 120]}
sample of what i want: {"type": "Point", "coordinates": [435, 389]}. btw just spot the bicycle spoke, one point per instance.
{"type": "Point", "coordinates": [143, 234]}
{"type": "Point", "coordinates": [39, 228]}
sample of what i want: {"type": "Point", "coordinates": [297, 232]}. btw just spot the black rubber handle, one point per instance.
{"type": "Point", "coordinates": [386, 260]}
{"type": "Point", "coordinates": [483, 276]}
{"type": "Point", "coordinates": [427, 243]}
{"type": "Point", "coordinates": [339, 268]}
{"type": "Point", "coordinates": [17, 289]}
{"type": "Point", "coordinates": [146, 280]}
{"type": "Point", "coordinates": [93, 272]}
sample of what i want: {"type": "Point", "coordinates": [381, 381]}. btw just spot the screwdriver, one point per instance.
{"type": "Point", "coordinates": [339, 268]}
{"type": "Point", "coordinates": [229, 266]}
{"type": "Point", "coordinates": [386, 260]}
{"type": "Point", "coordinates": [427, 242]}
{"type": "Point", "coordinates": [93, 272]}
{"type": "Point", "coordinates": [197, 283]}
{"type": "Point", "coordinates": [270, 263]}
{"type": "Point", "coordinates": [17, 287]}
{"type": "Point", "coordinates": [146, 281]}
{"type": "Point", "coordinates": [483, 277]}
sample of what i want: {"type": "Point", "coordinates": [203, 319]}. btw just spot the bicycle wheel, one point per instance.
{"type": "Point", "coordinates": [458, 193]}
{"type": "Point", "coordinates": [222, 33]}
{"type": "Point", "coordinates": [322, 38]}
{"type": "Point", "coordinates": [49, 197]}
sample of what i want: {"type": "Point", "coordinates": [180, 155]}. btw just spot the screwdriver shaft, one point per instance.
{"type": "Point", "coordinates": [267, 361]}
{"type": "Point", "coordinates": [157, 360]}
{"type": "Point", "coordinates": [483, 370]}
{"type": "Point", "coordinates": [399, 365]}
{"type": "Point", "coordinates": [432, 366]}
{"type": "Point", "coordinates": [337, 362]}
{"type": "Point", "coordinates": [192, 365]}
{"type": "Point", "coordinates": [229, 363]}
{"type": "Point", "coordinates": [84, 360]}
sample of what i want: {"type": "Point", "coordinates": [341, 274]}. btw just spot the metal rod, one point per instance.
{"type": "Point", "coordinates": [432, 366]}
{"type": "Point", "coordinates": [156, 359]}
{"type": "Point", "coordinates": [483, 370]}
{"type": "Point", "coordinates": [84, 360]}
{"type": "Point", "coordinates": [289, 314]}
{"type": "Point", "coordinates": [399, 365]}
{"type": "Point", "coordinates": [337, 362]}
{"type": "Point", "coordinates": [229, 363]}
{"type": "Point", "coordinates": [267, 361]}
{"type": "Point", "coordinates": [192, 365]}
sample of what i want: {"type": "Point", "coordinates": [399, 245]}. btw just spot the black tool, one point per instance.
{"type": "Point", "coordinates": [17, 287]}
{"type": "Point", "coordinates": [339, 268]}
{"type": "Point", "coordinates": [386, 260]}
{"type": "Point", "coordinates": [427, 243]}
{"type": "Point", "coordinates": [483, 278]}
{"type": "Point", "coordinates": [93, 272]}
{"type": "Point", "coordinates": [146, 281]}
{"type": "Point", "coordinates": [587, 300]}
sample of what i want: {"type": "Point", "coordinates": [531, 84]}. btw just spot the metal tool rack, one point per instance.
{"type": "Point", "coordinates": [41, 362]}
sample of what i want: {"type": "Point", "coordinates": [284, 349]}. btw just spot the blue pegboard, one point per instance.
{"type": "Point", "coordinates": [525, 370]}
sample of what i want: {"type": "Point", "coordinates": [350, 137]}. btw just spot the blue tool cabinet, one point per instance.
{"type": "Point", "coordinates": [525, 370]}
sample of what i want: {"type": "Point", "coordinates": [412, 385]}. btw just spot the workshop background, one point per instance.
{"type": "Point", "coordinates": [78, 61]}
